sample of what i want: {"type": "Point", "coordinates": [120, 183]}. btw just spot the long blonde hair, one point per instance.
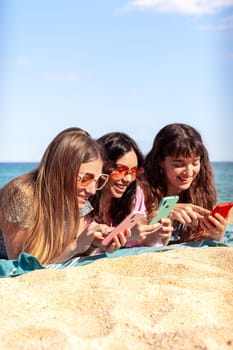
{"type": "Point", "coordinates": [55, 206]}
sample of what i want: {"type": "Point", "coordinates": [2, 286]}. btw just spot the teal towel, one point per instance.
{"type": "Point", "coordinates": [27, 263]}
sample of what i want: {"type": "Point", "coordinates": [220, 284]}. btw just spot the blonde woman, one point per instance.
{"type": "Point", "coordinates": [40, 210]}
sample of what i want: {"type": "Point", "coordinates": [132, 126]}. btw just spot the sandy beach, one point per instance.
{"type": "Point", "coordinates": [177, 299]}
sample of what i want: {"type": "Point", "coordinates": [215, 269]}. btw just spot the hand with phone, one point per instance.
{"type": "Point", "coordinates": [130, 221]}
{"type": "Point", "coordinates": [157, 234]}
{"type": "Point", "coordinates": [223, 209]}
{"type": "Point", "coordinates": [159, 230]}
{"type": "Point", "coordinates": [214, 225]}
{"type": "Point", "coordinates": [99, 232]}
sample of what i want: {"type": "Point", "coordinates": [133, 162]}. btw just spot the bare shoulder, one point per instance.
{"type": "Point", "coordinates": [16, 199]}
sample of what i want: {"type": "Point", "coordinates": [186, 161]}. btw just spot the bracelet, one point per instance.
{"type": "Point", "coordinates": [93, 246]}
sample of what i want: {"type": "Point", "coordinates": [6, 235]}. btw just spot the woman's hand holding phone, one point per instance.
{"type": "Point", "coordinates": [101, 231]}
{"type": "Point", "coordinates": [130, 221]}
{"type": "Point", "coordinates": [159, 233]}
{"type": "Point", "coordinates": [117, 242]}
{"type": "Point", "coordinates": [214, 225]}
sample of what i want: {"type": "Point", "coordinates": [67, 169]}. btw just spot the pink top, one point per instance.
{"type": "Point", "coordinates": [138, 206]}
{"type": "Point", "coordinates": [139, 201]}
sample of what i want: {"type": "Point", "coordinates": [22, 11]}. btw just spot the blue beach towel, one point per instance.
{"type": "Point", "coordinates": [28, 263]}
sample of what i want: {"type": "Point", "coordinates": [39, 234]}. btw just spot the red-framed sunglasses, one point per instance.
{"type": "Point", "coordinates": [121, 171]}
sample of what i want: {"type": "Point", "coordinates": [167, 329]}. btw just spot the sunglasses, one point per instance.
{"type": "Point", "coordinates": [121, 171]}
{"type": "Point", "coordinates": [86, 179]}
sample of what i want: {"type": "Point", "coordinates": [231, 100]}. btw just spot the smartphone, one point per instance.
{"type": "Point", "coordinates": [165, 207]}
{"type": "Point", "coordinates": [131, 220]}
{"type": "Point", "coordinates": [223, 209]}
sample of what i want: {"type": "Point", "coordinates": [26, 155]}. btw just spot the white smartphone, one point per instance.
{"type": "Point", "coordinates": [165, 207]}
{"type": "Point", "coordinates": [131, 220]}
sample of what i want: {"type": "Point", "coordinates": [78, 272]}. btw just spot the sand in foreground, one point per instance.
{"type": "Point", "coordinates": [177, 299]}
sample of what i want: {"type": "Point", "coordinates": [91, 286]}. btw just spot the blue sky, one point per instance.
{"type": "Point", "coordinates": [108, 65]}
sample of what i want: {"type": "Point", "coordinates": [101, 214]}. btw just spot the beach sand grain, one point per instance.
{"type": "Point", "coordinates": [175, 299]}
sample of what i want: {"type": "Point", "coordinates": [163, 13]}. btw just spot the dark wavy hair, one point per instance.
{"type": "Point", "coordinates": [116, 145]}
{"type": "Point", "coordinates": [176, 140]}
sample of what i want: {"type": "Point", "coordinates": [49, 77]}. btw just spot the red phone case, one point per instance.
{"type": "Point", "coordinates": [222, 209]}
{"type": "Point", "coordinates": [130, 221]}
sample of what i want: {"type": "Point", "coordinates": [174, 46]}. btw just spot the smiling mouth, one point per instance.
{"type": "Point", "coordinates": [120, 189]}
{"type": "Point", "coordinates": [187, 180]}
{"type": "Point", "coordinates": [82, 199]}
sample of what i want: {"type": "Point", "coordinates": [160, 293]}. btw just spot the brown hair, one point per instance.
{"type": "Point", "coordinates": [178, 139]}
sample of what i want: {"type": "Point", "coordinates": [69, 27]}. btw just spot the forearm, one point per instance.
{"type": "Point", "coordinates": [72, 250]}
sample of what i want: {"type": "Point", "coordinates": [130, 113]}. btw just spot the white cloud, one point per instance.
{"type": "Point", "coordinates": [61, 76]}
{"type": "Point", "coordinates": [189, 7]}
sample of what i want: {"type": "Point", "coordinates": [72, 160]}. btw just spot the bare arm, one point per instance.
{"type": "Point", "coordinates": [16, 199]}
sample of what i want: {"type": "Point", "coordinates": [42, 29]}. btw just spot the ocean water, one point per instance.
{"type": "Point", "coordinates": [223, 175]}
{"type": "Point", "coordinates": [9, 171]}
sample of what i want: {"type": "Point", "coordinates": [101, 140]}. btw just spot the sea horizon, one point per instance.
{"type": "Point", "coordinates": [222, 170]}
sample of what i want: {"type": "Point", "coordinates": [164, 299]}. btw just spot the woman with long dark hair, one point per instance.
{"type": "Point", "coordinates": [122, 194]}
{"type": "Point", "coordinates": [178, 164]}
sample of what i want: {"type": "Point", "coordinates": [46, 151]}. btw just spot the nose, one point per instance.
{"type": "Point", "coordinates": [91, 189]}
{"type": "Point", "coordinates": [189, 169]}
{"type": "Point", "coordinates": [128, 177]}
